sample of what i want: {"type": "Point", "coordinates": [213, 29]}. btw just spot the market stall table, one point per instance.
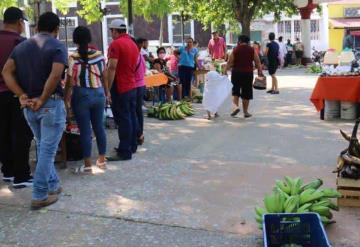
{"type": "Point", "coordinates": [154, 82]}
{"type": "Point", "coordinates": [342, 88]}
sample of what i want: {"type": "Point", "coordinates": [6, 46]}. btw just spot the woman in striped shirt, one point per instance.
{"type": "Point", "coordinates": [87, 78]}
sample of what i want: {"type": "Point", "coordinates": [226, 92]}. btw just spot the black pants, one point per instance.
{"type": "Point", "coordinates": [139, 112]}
{"type": "Point", "coordinates": [185, 76]}
{"type": "Point", "coordinates": [125, 108]}
{"type": "Point", "coordinates": [15, 139]}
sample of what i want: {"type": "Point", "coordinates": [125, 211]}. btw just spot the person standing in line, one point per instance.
{"type": "Point", "coordinates": [34, 72]}
{"type": "Point", "coordinates": [282, 52]}
{"type": "Point", "coordinates": [15, 133]}
{"type": "Point", "coordinates": [299, 51]}
{"type": "Point", "coordinates": [188, 56]}
{"type": "Point", "coordinates": [140, 91]}
{"type": "Point", "coordinates": [241, 62]}
{"type": "Point", "coordinates": [289, 53]}
{"type": "Point", "coordinates": [86, 76]}
{"type": "Point", "coordinates": [217, 46]}
{"type": "Point", "coordinates": [123, 55]}
{"type": "Point", "coordinates": [272, 53]}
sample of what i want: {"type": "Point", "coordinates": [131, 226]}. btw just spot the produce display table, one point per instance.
{"type": "Point", "coordinates": [342, 88]}
{"type": "Point", "coordinates": [155, 80]}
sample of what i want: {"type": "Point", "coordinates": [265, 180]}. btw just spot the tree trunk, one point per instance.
{"type": "Point", "coordinates": [161, 37]}
{"type": "Point", "coordinates": [245, 26]}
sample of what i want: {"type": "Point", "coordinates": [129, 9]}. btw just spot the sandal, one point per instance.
{"type": "Point", "coordinates": [247, 115]}
{"type": "Point", "coordinates": [235, 112]}
{"type": "Point", "coordinates": [83, 169]}
{"type": "Point", "coordinates": [101, 165]}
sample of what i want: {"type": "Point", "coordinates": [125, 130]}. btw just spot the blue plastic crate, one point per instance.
{"type": "Point", "coordinates": [304, 229]}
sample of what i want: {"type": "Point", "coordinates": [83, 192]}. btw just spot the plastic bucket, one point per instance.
{"type": "Point", "coordinates": [348, 110]}
{"type": "Point", "coordinates": [332, 109]}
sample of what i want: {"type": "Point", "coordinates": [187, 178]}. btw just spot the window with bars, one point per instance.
{"type": "Point", "coordinates": [66, 29]}
{"type": "Point", "coordinates": [176, 26]}
{"type": "Point", "coordinates": [297, 29]}
{"type": "Point", "coordinates": [315, 29]}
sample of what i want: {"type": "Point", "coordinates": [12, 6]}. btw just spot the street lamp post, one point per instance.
{"type": "Point", "coordinates": [130, 18]}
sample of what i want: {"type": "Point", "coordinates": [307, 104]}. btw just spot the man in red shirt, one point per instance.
{"type": "Point", "coordinates": [123, 56]}
{"type": "Point", "coordinates": [15, 134]}
{"type": "Point", "coordinates": [217, 46]}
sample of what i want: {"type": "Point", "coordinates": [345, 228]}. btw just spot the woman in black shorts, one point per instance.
{"type": "Point", "coordinates": [242, 75]}
{"type": "Point", "coordinates": [272, 53]}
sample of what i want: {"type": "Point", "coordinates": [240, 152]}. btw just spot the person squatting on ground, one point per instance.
{"type": "Point", "coordinates": [15, 133]}
{"type": "Point", "coordinates": [242, 74]}
{"type": "Point", "coordinates": [123, 55]}
{"type": "Point", "coordinates": [188, 56]}
{"type": "Point", "coordinates": [272, 53]}
{"type": "Point", "coordinates": [88, 80]}
{"type": "Point", "coordinates": [33, 72]}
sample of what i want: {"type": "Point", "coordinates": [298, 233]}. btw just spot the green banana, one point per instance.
{"type": "Point", "coordinates": [179, 113]}
{"type": "Point", "coordinates": [304, 208]}
{"type": "Point", "coordinates": [310, 195]}
{"type": "Point", "coordinates": [260, 211]}
{"type": "Point", "coordinates": [289, 181]}
{"type": "Point", "coordinates": [296, 186]}
{"type": "Point", "coordinates": [323, 211]}
{"type": "Point", "coordinates": [259, 219]}
{"type": "Point", "coordinates": [326, 221]}
{"type": "Point", "coordinates": [277, 189]}
{"type": "Point", "coordinates": [315, 184]}
{"type": "Point", "coordinates": [270, 203]}
{"type": "Point", "coordinates": [291, 204]}
{"type": "Point", "coordinates": [283, 186]}
{"type": "Point", "coordinates": [330, 193]}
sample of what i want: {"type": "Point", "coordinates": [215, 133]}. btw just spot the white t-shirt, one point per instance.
{"type": "Point", "coordinates": [282, 49]}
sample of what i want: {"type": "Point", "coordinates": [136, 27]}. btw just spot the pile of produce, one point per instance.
{"type": "Point", "coordinates": [171, 111]}
{"type": "Point", "coordinates": [292, 196]}
{"type": "Point", "coordinates": [348, 164]}
{"type": "Point", "coordinates": [315, 69]}
{"type": "Point", "coordinates": [198, 99]}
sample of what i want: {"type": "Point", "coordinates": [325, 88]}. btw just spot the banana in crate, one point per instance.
{"type": "Point", "coordinates": [172, 111]}
{"type": "Point", "coordinates": [291, 195]}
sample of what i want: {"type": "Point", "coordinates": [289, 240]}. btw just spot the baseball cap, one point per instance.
{"type": "Point", "coordinates": [13, 14]}
{"type": "Point", "coordinates": [118, 24]}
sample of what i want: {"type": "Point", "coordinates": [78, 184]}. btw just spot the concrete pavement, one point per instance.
{"type": "Point", "coordinates": [194, 182]}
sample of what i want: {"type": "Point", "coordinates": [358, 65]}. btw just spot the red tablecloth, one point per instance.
{"type": "Point", "coordinates": [340, 88]}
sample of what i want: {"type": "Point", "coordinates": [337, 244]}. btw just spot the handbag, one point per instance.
{"type": "Point", "coordinates": [260, 83]}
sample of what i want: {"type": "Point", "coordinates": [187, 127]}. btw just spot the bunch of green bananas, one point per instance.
{"type": "Point", "coordinates": [171, 111]}
{"type": "Point", "coordinates": [291, 195]}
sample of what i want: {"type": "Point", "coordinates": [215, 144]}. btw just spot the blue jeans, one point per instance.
{"type": "Point", "coordinates": [139, 112]}
{"type": "Point", "coordinates": [125, 107]}
{"type": "Point", "coordinates": [185, 75]}
{"type": "Point", "coordinates": [88, 105]}
{"type": "Point", "coordinates": [47, 125]}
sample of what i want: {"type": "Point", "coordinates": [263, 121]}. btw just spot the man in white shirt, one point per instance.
{"type": "Point", "coordinates": [145, 52]}
{"type": "Point", "coordinates": [282, 51]}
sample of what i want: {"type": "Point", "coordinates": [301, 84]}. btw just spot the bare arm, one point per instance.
{"type": "Point", "coordinates": [8, 74]}
{"type": "Point", "coordinates": [258, 63]}
{"type": "Point", "coordinates": [230, 63]}
{"type": "Point", "coordinates": [266, 51]}
{"type": "Point", "coordinates": [111, 70]}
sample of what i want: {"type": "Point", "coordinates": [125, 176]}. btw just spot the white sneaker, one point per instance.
{"type": "Point", "coordinates": [8, 179]}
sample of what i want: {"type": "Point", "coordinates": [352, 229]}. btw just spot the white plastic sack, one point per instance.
{"type": "Point", "coordinates": [217, 89]}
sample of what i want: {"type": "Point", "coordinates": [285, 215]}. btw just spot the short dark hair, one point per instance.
{"type": "Point", "coordinates": [244, 39]}
{"type": "Point", "coordinates": [48, 22]}
{"type": "Point", "coordinates": [271, 36]}
{"type": "Point", "coordinates": [81, 35]}
{"type": "Point", "coordinates": [160, 49]}
{"type": "Point", "coordinates": [280, 39]}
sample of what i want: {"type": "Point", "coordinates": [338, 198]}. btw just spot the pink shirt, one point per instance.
{"type": "Point", "coordinates": [216, 48]}
{"type": "Point", "coordinates": [140, 72]}
{"type": "Point", "coordinates": [173, 62]}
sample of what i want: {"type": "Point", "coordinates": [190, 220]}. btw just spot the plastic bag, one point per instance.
{"type": "Point", "coordinates": [217, 89]}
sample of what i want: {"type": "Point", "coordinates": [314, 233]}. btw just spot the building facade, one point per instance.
{"type": "Point", "coordinates": [343, 15]}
